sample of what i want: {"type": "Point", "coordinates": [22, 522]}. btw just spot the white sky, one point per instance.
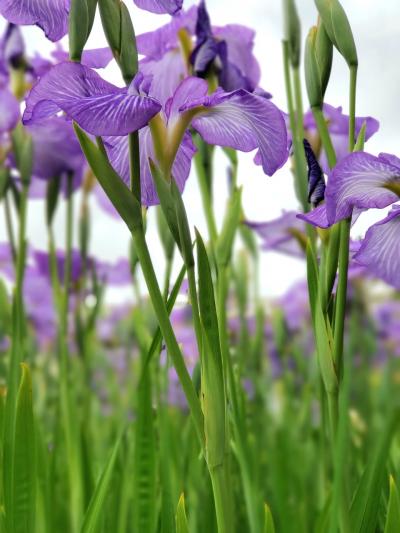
{"type": "Point", "coordinates": [376, 30]}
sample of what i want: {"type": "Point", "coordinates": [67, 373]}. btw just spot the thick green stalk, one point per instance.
{"type": "Point", "coordinates": [221, 499]}
{"type": "Point", "coordinates": [167, 331]}
{"type": "Point", "coordinates": [296, 129]}
{"type": "Point", "coordinates": [9, 227]}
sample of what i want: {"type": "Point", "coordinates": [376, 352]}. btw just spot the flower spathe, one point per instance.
{"type": "Point", "coordinates": [50, 15]}
{"type": "Point", "coordinates": [380, 249]}
{"type": "Point", "coordinates": [96, 105]}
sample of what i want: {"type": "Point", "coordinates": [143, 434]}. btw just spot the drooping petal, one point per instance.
{"type": "Point", "coordinates": [96, 105]}
{"type": "Point", "coordinates": [9, 111]}
{"type": "Point", "coordinates": [160, 6]}
{"type": "Point", "coordinates": [316, 217]}
{"type": "Point", "coordinates": [243, 121]}
{"type": "Point", "coordinates": [360, 180]}
{"type": "Point", "coordinates": [380, 249]}
{"type": "Point", "coordinates": [117, 149]}
{"type": "Point", "coordinates": [50, 15]}
{"type": "Point", "coordinates": [285, 234]}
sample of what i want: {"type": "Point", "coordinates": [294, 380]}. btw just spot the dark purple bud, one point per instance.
{"type": "Point", "coordinates": [316, 180]}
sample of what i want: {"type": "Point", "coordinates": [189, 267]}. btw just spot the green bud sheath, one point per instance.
{"type": "Point", "coordinates": [338, 29]}
{"type": "Point", "coordinates": [78, 28]}
{"type": "Point", "coordinates": [292, 31]}
{"type": "Point", "coordinates": [110, 14]}
{"type": "Point", "coordinates": [323, 55]}
{"type": "Point", "coordinates": [313, 79]}
{"type": "Point", "coordinates": [128, 58]}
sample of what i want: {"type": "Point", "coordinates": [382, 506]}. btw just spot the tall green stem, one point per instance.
{"type": "Point", "coordinates": [167, 331]}
{"type": "Point", "coordinates": [299, 156]}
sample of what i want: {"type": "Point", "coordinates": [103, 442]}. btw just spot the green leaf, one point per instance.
{"type": "Point", "coordinates": [116, 190]}
{"type": "Point", "coordinates": [181, 519]}
{"type": "Point", "coordinates": [269, 526]}
{"type": "Point", "coordinates": [144, 475]}
{"type": "Point", "coordinates": [20, 515]}
{"type": "Point", "coordinates": [183, 226]}
{"type": "Point", "coordinates": [212, 383]}
{"type": "Point", "coordinates": [78, 28]}
{"type": "Point", "coordinates": [393, 513]}
{"type": "Point", "coordinates": [52, 195]}
{"type": "Point", "coordinates": [365, 505]}
{"type": "Point", "coordinates": [359, 146]}
{"type": "Point", "coordinates": [94, 511]}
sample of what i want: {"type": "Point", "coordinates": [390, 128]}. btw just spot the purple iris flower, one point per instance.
{"type": "Point", "coordinates": [228, 48]}
{"type": "Point", "coordinates": [360, 181]}
{"type": "Point", "coordinates": [12, 49]}
{"type": "Point", "coordinates": [338, 125]}
{"type": "Point", "coordinates": [239, 119]}
{"type": "Point", "coordinates": [160, 6]}
{"type": "Point", "coordinates": [380, 249]}
{"type": "Point", "coordinates": [50, 15]}
{"type": "Point", "coordinates": [284, 234]}
{"type": "Point", "coordinates": [226, 51]}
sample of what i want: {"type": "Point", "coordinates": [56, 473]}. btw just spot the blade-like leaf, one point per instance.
{"type": "Point", "coordinates": [181, 519]}
{"type": "Point", "coordinates": [365, 505]}
{"type": "Point", "coordinates": [393, 514]}
{"type": "Point", "coordinates": [121, 197]}
{"type": "Point", "coordinates": [144, 476]}
{"type": "Point", "coordinates": [94, 511]}
{"type": "Point", "coordinates": [269, 526]}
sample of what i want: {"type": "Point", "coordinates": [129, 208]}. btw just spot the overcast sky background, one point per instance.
{"type": "Point", "coordinates": [376, 30]}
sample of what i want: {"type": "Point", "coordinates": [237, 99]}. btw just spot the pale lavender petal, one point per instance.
{"type": "Point", "coordinates": [160, 6]}
{"type": "Point", "coordinates": [243, 121]}
{"type": "Point", "coordinates": [117, 149]}
{"type": "Point", "coordinates": [50, 15]}
{"type": "Point", "coordinates": [154, 44]}
{"type": "Point", "coordinates": [94, 58]}
{"type": "Point", "coordinates": [9, 111]}
{"type": "Point", "coordinates": [167, 73]}
{"type": "Point", "coordinates": [380, 250]}
{"type": "Point", "coordinates": [284, 234]}
{"type": "Point", "coordinates": [359, 180]}
{"type": "Point", "coordinates": [96, 105]}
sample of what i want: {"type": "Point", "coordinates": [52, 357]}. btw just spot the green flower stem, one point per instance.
{"type": "Point", "coordinates": [206, 199]}
{"type": "Point", "coordinates": [167, 331]}
{"type": "Point", "coordinates": [325, 137]}
{"type": "Point", "coordinates": [221, 491]}
{"type": "Point", "coordinates": [345, 225]}
{"type": "Point", "coordinates": [299, 156]}
{"type": "Point", "coordinates": [134, 166]}
{"type": "Point", "coordinates": [66, 390]}
{"type": "Point", "coordinates": [9, 227]}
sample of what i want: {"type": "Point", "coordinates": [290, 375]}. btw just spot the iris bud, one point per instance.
{"type": "Point", "coordinates": [81, 17]}
{"type": "Point", "coordinates": [318, 64]}
{"type": "Point", "coordinates": [338, 29]}
{"type": "Point", "coordinates": [292, 31]}
{"type": "Point", "coordinates": [120, 35]}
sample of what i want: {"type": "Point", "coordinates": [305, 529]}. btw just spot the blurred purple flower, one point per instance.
{"type": "Point", "coordinates": [284, 234]}
{"type": "Point", "coordinates": [9, 111]}
{"type": "Point", "coordinates": [338, 125]}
